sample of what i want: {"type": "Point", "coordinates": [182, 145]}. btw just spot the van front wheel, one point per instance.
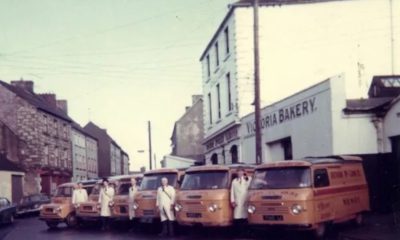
{"type": "Point", "coordinates": [71, 220]}
{"type": "Point", "coordinates": [359, 220]}
{"type": "Point", "coordinates": [320, 230]}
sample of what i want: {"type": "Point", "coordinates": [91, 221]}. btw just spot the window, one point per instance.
{"type": "Point", "coordinates": [46, 154]}
{"type": "Point", "coordinates": [56, 157]}
{"type": "Point", "coordinates": [209, 107]}
{"type": "Point", "coordinates": [219, 101]}
{"type": "Point", "coordinates": [226, 32]}
{"type": "Point", "coordinates": [287, 148]}
{"type": "Point", "coordinates": [216, 55]}
{"type": "Point", "coordinates": [321, 178]}
{"type": "Point", "coordinates": [228, 84]}
{"type": "Point", "coordinates": [208, 66]}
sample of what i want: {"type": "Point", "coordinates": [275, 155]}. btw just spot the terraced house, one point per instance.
{"type": "Point", "coordinates": [39, 121]}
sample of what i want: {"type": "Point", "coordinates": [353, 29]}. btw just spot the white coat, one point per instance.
{"type": "Point", "coordinates": [79, 196]}
{"type": "Point", "coordinates": [239, 189]}
{"type": "Point", "coordinates": [132, 193]}
{"type": "Point", "coordinates": [105, 197]}
{"type": "Point", "coordinates": [165, 202]}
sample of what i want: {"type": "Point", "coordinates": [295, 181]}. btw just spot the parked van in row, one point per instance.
{"type": "Point", "coordinates": [204, 197]}
{"type": "Point", "coordinates": [121, 199]}
{"type": "Point", "coordinates": [61, 208]}
{"type": "Point", "coordinates": [308, 194]}
{"type": "Point", "coordinates": [145, 200]}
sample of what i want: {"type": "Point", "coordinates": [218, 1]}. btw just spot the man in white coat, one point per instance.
{"type": "Point", "coordinates": [239, 189]}
{"type": "Point", "coordinates": [165, 204]}
{"type": "Point", "coordinates": [79, 195]}
{"type": "Point", "coordinates": [131, 200]}
{"type": "Point", "coordinates": [106, 196]}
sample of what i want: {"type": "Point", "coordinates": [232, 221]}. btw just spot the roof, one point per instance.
{"type": "Point", "coordinates": [80, 129]}
{"type": "Point", "coordinates": [384, 86]}
{"type": "Point", "coordinates": [218, 167]}
{"type": "Point", "coordinates": [369, 105]}
{"type": "Point", "coordinates": [37, 101]}
{"type": "Point", "coordinates": [162, 170]}
{"type": "Point", "coordinates": [7, 165]}
{"type": "Point", "coordinates": [100, 130]}
{"type": "Point", "coordinates": [309, 161]}
{"type": "Point", "coordinates": [248, 3]}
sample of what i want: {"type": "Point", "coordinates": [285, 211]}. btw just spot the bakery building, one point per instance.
{"type": "Point", "coordinates": [321, 121]}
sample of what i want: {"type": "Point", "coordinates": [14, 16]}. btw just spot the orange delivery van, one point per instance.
{"type": "Point", "coordinates": [308, 194]}
{"type": "Point", "coordinates": [145, 199]}
{"type": "Point", "coordinates": [204, 197]}
{"type": "Point", "coordinates": [120, 209]}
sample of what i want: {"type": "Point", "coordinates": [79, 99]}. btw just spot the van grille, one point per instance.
{"type": "Point", "coordinates": [267, 209]}
{"type": "Point", "coordinates": [148, 212]}
{"type": "Point", "coordinates": [193, 207]}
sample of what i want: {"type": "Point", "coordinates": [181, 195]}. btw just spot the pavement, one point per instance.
{"type": "Point", "coordinates": [376, 227]}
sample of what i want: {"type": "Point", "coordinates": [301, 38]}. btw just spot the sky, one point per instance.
{"type": "Point", "coordinates": [119, 63]}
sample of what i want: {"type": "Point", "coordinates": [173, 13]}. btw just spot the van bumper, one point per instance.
{"type": "Point", "coordinates": [283, 226]}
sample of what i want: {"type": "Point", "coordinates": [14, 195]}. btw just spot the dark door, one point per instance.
{"type": "Point", "coordinates": [396, 155]}
{"type": "Point", "coordinates": [16, 186]}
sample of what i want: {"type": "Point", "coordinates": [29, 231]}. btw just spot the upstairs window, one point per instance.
{"type": "Point", "coordinates": [208, 65]}
{"type": "Point", "coordinates": [226, 33]}
{"type": "Point", "coordinates": [228, 86]}
{"type": "Point", "coordinates": [216, 54]}
{"type": "Point", "coordinates": [219, 101]}
{"type": "Point", "coordinates": [210, 108]}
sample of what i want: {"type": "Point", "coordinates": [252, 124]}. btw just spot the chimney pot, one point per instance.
{"type": "Point", "coordinates": [23, 84]}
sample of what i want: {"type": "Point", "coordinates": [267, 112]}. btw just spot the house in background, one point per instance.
{"type": "Point", "coordinates": [110, 154]}
{"type": "Point", "coordinates": [84, 154]}
{"type": "Point", "coordinates": [187, 137]}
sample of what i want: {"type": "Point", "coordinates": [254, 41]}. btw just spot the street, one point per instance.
{"type": "Point", "coordinates": [33, 229]}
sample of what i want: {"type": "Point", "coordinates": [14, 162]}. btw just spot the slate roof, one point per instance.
{"type": "Point", "coordinates": [36, 100]}
{"type": "Point", "coordinates": [367, 105]}
{"type": "Point", "coordinates": [7, 165]}
{"type": "Point", "coordinates": [80, 129]}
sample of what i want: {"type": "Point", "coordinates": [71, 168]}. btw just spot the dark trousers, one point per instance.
{"type": "Point", "coordinates": [240, 227]}
{"type": "Point", "coordinates": [105, 223]}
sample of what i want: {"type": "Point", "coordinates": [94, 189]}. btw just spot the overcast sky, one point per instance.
{"type": "Point", "coordinates": [118, 63]}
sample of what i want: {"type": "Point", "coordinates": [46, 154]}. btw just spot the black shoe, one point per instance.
{"type": "Point", "coordinates": [164, 231]}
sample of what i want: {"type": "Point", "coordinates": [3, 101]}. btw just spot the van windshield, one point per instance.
{"type": "Point", "coordinates": [205, 180]}
{"type": "Point", "coordinates": [95, 190]}
{"type": "Point", "coordinates": [63, 192]}
{"type": "Point", "coordinates": [281, 178]}
{"type": "Point", "coordinates": [153, 181]}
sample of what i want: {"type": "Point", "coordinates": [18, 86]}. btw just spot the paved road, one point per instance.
{"type": "Point", "coordinates": [32, 229]}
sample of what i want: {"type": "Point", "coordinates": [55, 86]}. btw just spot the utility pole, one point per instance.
{"type": "Point", "coordinates": [150, 150]}
{"type": "Point", "coordinates": [257, 110]}
{"type": "Point", "coordinates": [155, 161]}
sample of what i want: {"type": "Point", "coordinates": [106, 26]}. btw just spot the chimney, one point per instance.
{"type": "Point", "coordinates": [63, 105]}
{"type": "Point", "coordinates": [50, 98]}
{"type": "Point", "coordinates": [27, 85]}
{"type": "Point", "coordinates": [196, 98]}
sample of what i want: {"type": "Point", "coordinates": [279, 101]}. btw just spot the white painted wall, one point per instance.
{"type": "Point", "coordinates": [300, 44]}
{"type": "Point", "coordinates": [391, 124]}
{"type": "Point", "coordinates": [310, 131]}
{"type": "Point", "coordinates": [79, 163]}
{"type": "Point", "coordinates": [5, 183]}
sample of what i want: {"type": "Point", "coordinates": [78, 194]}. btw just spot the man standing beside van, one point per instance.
{"type": "Point", "coordinates": [132, 192]}
{"type": "Point", "coordinates": [79, 195]}
{"type": "Point", "coordinates": [239, 189]}
{"type": "Point", "coordinates": [165, 203]}
{"type": "Point", "coordinates": [105, 199]}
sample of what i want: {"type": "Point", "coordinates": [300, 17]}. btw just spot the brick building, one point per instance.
{"type": "Point", "coordinates": [110, 154]}
{"type": "Point", "coordinates": [40, 123]}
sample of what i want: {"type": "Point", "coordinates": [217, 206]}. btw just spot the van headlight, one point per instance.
{"type": "Point", "coordinates": [251, 209]}
{"type": "Point", "coordinates": [178, 207]}
{"type": "Point", "coordinates": [296, 209]}
{"type": "Point", "coordinates": [57, 210]}
{"type": "Point", "coordinates": [135, 206]}
{"type": "Point", "coordinates": [213, 207]}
